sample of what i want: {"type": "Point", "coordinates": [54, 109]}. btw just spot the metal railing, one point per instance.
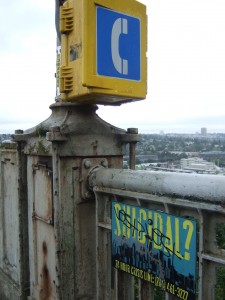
{"type": "Point", "coordinates": [29, 232]}
{"type": "Point", "coordinates": [201, 197]}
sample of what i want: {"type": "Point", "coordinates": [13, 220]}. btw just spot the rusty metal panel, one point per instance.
{"type": "Point", "coordinates": [44, 281]}
{"type": "Point", "coordinates": [43, 277]}
{"type": "Point", "coordinates": [42, 183]}
{"type": "Point", "coordinates": [77, 233]}
{"type": "Point", "coordinates": [14, 266]}
{"type": "Point", "coordinates": [9, 222]}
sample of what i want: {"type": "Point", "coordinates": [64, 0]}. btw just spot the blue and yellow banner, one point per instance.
{"type": "Point", "coordinates": [157, 247]}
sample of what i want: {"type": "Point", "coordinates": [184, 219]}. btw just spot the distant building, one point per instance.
{"type": "Point", "coordinates": [212, 154]}
{"type": "Point", "coordinates": [203, 131]}
{"type": "Point", "coordinates": [198, 165]}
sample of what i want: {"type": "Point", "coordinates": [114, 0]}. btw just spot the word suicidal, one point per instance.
{"type": "Point", "coordinates": [151, 227]}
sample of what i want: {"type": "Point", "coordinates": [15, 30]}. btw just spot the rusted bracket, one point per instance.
{"type": "Point", "coordinates": [88, 165]}
{"type": "Point", "coordinates": [131, 137]}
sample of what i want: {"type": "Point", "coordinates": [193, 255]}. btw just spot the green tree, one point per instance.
{"type": "Point", "coordinates": [220, 272]}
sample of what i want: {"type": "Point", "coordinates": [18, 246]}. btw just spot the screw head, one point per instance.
{"type": "Point", "coordinates": [87, 164]}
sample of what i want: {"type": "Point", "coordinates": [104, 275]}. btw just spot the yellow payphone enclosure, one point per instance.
{"type": "Point", "coordinates": [103, 54]}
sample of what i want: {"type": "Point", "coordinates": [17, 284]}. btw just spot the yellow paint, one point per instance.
{"type": "Point", "coordinates": [79, 81]}
{"type": "Point", "coordinates": [188, 225]}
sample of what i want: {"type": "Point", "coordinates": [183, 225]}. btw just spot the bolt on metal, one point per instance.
{"type": "Point", "coordinates": [87, 164]}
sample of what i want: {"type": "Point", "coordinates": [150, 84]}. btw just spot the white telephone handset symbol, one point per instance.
{"type": "Point", "coordinates": [119, 27]}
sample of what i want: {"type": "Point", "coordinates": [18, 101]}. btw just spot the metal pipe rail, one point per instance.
{"type": "Point", "coordinates": [201, 197]}
{"type": "Point", "coordinates": [208, 188]}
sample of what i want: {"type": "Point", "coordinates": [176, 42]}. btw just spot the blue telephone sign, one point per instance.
{"type": "Point", "coordinates": [118, 45]}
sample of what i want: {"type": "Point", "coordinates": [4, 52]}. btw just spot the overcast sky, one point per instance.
{"type": "Point", "coordinates": [186, 67]}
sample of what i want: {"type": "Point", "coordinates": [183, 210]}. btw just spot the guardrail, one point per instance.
{"type": "Point", "coordinates": [200, 197]}
{"type": "Point", "coordinates": [56, 240]}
